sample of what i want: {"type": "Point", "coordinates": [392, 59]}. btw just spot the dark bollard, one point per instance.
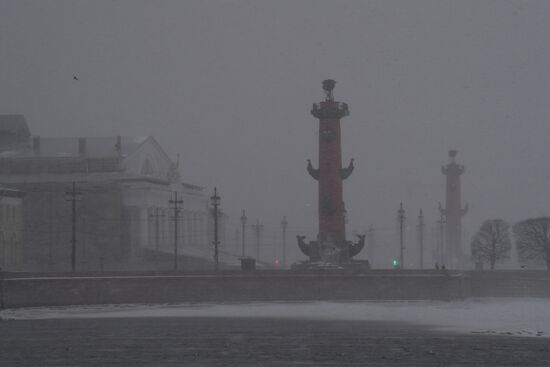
{"type": "Point", "coordinates": [248, 264]}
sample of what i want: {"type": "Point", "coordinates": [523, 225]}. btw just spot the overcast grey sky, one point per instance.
{"type": "Point", "coordinates": [229, 84]}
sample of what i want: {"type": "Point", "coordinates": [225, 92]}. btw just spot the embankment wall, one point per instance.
{"type": "Point", "coordinates": [116, 289]}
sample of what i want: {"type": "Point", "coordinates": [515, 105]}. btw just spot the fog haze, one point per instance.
{"type": "Point", "coordinates": [228, 86]}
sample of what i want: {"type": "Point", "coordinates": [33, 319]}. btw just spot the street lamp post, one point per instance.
{"type": "Point", "coordinates": [284, 224]}
{"type": "Point", "coordinates": [421, 238]}
{"type": "Point", "coordinates": [176, 204]}
{"type": "Point", "coordinates": [258, 230]}
{"type": "Point", "coordinates": [215, 201]}
{"type": "Point", "coordinates": [243, 223]}
{"type": "Point", "coordinates": [441, 224]}
{"type": "Point", "coordinates": [401, 216]}
{"type": "Point", "coordinates": [73, 196]}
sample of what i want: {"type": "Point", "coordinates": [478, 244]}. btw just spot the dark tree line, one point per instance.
{"type": "Point", "coordinates": [491, 243]}
{"type": "Point", "coordinates": [533, 240]}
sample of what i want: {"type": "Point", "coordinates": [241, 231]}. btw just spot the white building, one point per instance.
{"type": "Point", "coordinates": [10, 229]}
{"type": "Point", "coordinates": [123, 216]}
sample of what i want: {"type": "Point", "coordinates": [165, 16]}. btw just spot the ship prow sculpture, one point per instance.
{"type": "Point", "coordinates": [331, 245]}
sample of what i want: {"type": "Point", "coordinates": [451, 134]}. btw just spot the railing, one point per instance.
{"type": "Point", "coordinates": [58, 165]}
{"type": "Point", "coordinates": [330, 110]}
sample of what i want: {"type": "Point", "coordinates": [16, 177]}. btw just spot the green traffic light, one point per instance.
{"type": "Point", "coordinates": [395, 262]}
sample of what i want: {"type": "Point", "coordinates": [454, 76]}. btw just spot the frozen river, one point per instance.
{"type": "Point", "coordinates": [479, 332]}
{"type": "Point", "coordinates": [516, 316]}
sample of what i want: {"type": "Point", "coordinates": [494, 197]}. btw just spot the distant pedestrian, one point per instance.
{"type": "Point", "coordinates": [443, 267]}
{"type": "Point", "coordinates": [436, 266]}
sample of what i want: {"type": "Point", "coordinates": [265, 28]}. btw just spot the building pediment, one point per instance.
{"type": "Point", "coordinates": [150, 160]}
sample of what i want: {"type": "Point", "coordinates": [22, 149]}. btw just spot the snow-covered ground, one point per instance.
{"type": "Point", "coordinates": [519, 317]}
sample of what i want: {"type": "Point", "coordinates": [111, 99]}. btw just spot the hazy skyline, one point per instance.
{"type": "Point", "coordinates": [228, 85]}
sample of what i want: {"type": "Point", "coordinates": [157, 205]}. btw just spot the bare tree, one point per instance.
{"type": "Point", "coordinates": [533, 240]}
{"type": "Point", "coordinates": [491, 243]}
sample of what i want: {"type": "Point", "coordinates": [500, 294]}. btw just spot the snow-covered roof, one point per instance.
{"type": "Point", "coordinates": [6, 191]}
{"type": "Point", "coordinates": [95, 147]}
{"type": "Point", "coordinates": [14, 124]}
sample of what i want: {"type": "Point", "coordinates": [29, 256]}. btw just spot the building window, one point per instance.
{"type": "Point", "coordinates": [195, 229]}
{"type": "Point", "coordinates": [14, 252]}
{"type": "Point", "coordinates": [188, 228]}
{"type": "Point", "coordinates": [163, 228]}
{"type": "Point", "coordinates": [151, 227]}
{"type": "Point", "coordinates": [2, 249]}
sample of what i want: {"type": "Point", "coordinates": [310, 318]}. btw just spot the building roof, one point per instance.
{"type": "Point", "coordinates": [14, 124]}
{"type": "Point", "coordinates": [10, 192]}
{"type": "Point", "coordinates": [129, 158]}
{"type": "Point", "coordinates": [96, 147]}
{"type": "Point", "coordinates": [14, 133]}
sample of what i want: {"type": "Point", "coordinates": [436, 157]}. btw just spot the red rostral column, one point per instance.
{"type": "Point", "coordinates": [331, 244]}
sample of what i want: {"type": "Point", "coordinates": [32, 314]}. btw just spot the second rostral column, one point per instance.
{"type": "Point", "coordinates": [331, 245]}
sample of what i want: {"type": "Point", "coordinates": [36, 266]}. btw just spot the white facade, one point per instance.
{"type": "Point", "coordinates": [125, 220]}
{"type": "Point", "coordinates": [10, 229]}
